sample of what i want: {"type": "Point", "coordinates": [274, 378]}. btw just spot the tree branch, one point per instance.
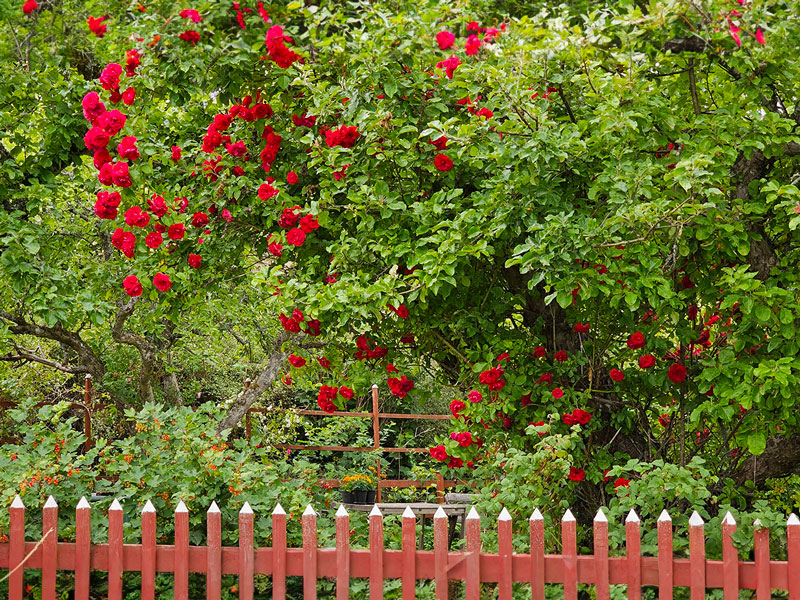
{"type": "Point", "coordinates": [147, 350]}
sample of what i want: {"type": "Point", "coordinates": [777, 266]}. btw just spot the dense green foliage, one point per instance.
{"type": "Point", "coordinates": [578, 226]}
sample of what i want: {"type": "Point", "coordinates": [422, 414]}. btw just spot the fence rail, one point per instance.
{"type": "Point", "coordinates": [378, 563]}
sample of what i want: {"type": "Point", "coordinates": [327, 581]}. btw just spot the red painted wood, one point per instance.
{"type": "Point", "coordinates": [49, 549]}
{"type": "Point", "coordinates": [148, 552]}
{"type": "Point", "coordinates": [342, 554]}
{"type": "Point", "coordinates": [115, 552]}
{"type": "Point", "coordinates": [213, 553]}
{"type": "Point", "coordinates": [376, 548]}
{"type": "Point", "coordinates": [181, 552]}
{"type": "Point", "coordinates": [569, 551]}
{"type": "Point", "coordinates": [506, 551]}
{"type": "Point", "coordinates": [409, 555]}
{"type": "Point", "coordinates": [730, 560]}
{"type": "Point", "coordinates": [793, 556]}
{"type": "Point", "coordinates": [761, 555]}
{"type": "Point", "coordinates": [279, 553]}
{"type": "Point", "coordinates": [665, 556]}
{"type": "Point", "coordinates": [246, 555]}
{"type": "Point", "coordinates": [16, 550]}
{"type": "Point", "coordinates": [697, 558]}
{"type": "Point", "coordinates": [473, 556]}
{"type": "Point", "coordinates": [309, 554]}
{"type": "Point", "coordinates": [440, 556]}
{"type": "Point", "coordinates": [83, 547]}
{"type": "Point", "coordinates": [633, 552]}
{"type": "Point", "coordinates": [537, 555]}
{"type": "Point", "coordinates": [601, 556]}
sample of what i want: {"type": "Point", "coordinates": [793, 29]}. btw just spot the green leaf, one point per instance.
{"type": "Point", "coordinates": [756, 443]}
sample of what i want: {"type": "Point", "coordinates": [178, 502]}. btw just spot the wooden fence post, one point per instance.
{"type": "Point", "coordinates": [761, 543]}
{"type": "Point", "coordinates": [793, 555]}
{"type": "Point", "coordinates": [697, 557]}
{"type": "Point", "coordinates": [375, 554]}
{"type": "Point", "coordinates": [246, 557]}
{"type": "Point", "coordinates": [473, 558]}
{"type": "Point", "coordinates": [181, 568]}
{"type": "Point", "coordinates": [49, 548]}
{"type": "Point", "coordinates": [730, 560]}
{"type": "Point", "coordinates": [16, 540]}
{"type": "Point", "coordinates": [537, 555]}
{"type": "Point", "coordinates": [115, 551]}
{"type": "Point", "coordinates": [309, 554]}
{"type": "Point", "coordinates": [213, 552]}
{"type": "Point", "coordinates": [279, 553]}
{"type": "Point", "coordinates": [506, 550]}
{"type": "Point", "coordinates": [569, 552]}
{"type": "Point", "coordinates": [665, 581]}
{"type": "Point", "coordinates": [342, 553]}
{"type": "Point", "coordinates": [148, 551]}
{"type": "Point", "coordinates": [633, 548]}
{"type": "Point", "coordinates": [601, 555]}
{"type": "Point", "coordinates": [83, 549]}
{"type": "Point", "coordinates": [409, 554]}
{"type": "Point", "coordinates": [440, 553]}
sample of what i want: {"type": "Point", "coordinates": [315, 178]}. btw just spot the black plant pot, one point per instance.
{"type": "Point", "coordinates": [370, 497]}
{"type": "Point", "coordinates": [347, 497]}
{"type": "Point", "coordinates": [360, 496]}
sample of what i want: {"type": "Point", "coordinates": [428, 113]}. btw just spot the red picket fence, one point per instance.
{"type": "Point", "coordinates": [407, 564]}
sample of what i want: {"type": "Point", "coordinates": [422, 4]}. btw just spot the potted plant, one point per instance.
{"type": "Point", "coordinates": [356, 488]}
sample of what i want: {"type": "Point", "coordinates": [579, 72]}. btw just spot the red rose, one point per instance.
{"type": "Point", "coordinates": [664, 420]}
{"type": "Point", "coordinates": [105, 175]}
{"type": "Point", "coordinates": [194, 260]}
{"type": "Point", "coordinates": [127, 148]}
{"type": "Point", "coordinates": [162, 282]}
{"type": "Point", "coordinates": [400, 386]}
{"type": "Point", "coordinates": [583, 417]}
{"type": "Point", "coordinates": [276, 47]}
{"type": "Point", "coordinates": [558, 393]}
{"type": "Point", "coordinates": [275, 249]}
{"type": "Point", "coordinates": [636, 341]}
{"type": "Point", "coordinates": [472, 45]}
{"type": "Point", "coordinates": [439, 143]}
{"type": "Point", "coordinates": [616, 375]}
{"type": "Point", "coordinates": [109, 78]}
{"type": "Point", "coordinates": [297, 361]}
{"type": "Point", "coordinates": [124, 241]}
{"type": "Point", "coordinates": [345, 392]}
{"type": "Point", "coordinates": [647, 361]}
{"type": "Point", "coordinates": [343, 136]}
{"type": "Point", "coordinates": [176, 153]}
{"type": "Point", "coordinates": [132, 286]}
{"type": "Point", "coordinates": [112, 121]}
{"type": "Point", "coordinates": [308, 223]}
{"type": "Point", "coordinates": [297, 315]}
{"type": "Point", "coordinates": [96, 139]}
{"type": "Point", "coordinates": [581, 328]}
{"type": "Point", "coordinates": [136, 217]}
{"type": "Point", "coordinates": [390, 368]}
{"type": "Point", "coordinates": [30, 6]}
{"type": "Point", "coordinates": [445, 39]}
{"type": "Point", "coordinates": [560, 356]}
{"type": "Point", "coordinates": [128, 96]}
{"type": "Point", "coordinates": [449, 65]}
{"type": "Point", "coordinates": [621, 482]}
{"type": "Point", "coordinates": [296, 237]}
{"type": "Point", "coordinates": [289, 216]}
{"type": "Point", "coordinates": [292, 178]}
{"type": "Point", "coordinates": [92, 107]}
{"type": "Point", "coordinates": [96, 26]}
{"type": "Point", "coordinates": [569, 419]}
{"type": "Point", "coordinates": [464, 439]}
{"type": "Point", "coordinates": [475, 396]}
{"type": "Point", "coordinates": [289, 324]}
{"type": "Point", "coordinates": [546, 378]}
{"type": "Point", "coordinates": [456, 406]}
{"type": "Point", "coordinates": [576, 474]}
{"type": "Point", "coordinates": [190, 36]}
{"type": "Point", "coordinates": [439, 453]}
{"type": "Point", "coordinates": [676, 373]}
{"type": "Point", "coordinates": [153, 240]}
{"type": "Point", "coordinates": [539, 352]}
{"type": "Point", "coordinates": [176, 231]}
{"type": "Point", "coordinates": [443, 162]}
{"type": "Point", "coordinates": [199, 219]}
{"type": "Point", "coordinates": [324, 363]}
{"type": "Point", "coordinates": [120, 175]}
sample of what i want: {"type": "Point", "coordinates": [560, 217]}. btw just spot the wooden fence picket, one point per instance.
{"type": "Point", "coordinates": [601, 556]}
{"type": "Point", "coordinates": [246, 555]}
{"type": "Point", "coordinates": [569, 552]}
{"type": "Point", "coordinates": [633, 548]}
{"type": "Point", "coordinates": [665, 556]}
{"type": "Point", "coordinates": [83, 548]}
{"type": "Point", "coordinates": [697, 557]}
{"type": "Point", "coordinates": [213, 552]}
